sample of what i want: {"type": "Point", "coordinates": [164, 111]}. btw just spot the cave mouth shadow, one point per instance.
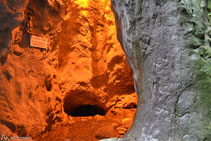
{"type": "Point", "coordinates": [86, 110]}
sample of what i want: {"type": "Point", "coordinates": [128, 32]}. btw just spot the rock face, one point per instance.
{"type": "Point", "coordinates": [154, 35]}
{"type": "Point", "coordinates": [83, 68]}
{"type": "Point", "coordinates": [166, 43]}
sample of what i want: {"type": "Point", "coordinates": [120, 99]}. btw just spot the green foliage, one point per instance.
{"type": "Point", "coordinates": [198, 19]}
{"type": "Point", "coordinates": [194, 13]}
{"type": "Point", "coordinates": [209, 10]}
{"type": "Point", "coordinates": [204, 82]}
{"type": "Point", "coordinates": [194, 42]}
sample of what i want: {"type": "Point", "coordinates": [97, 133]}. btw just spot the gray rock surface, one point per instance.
{"type": "Point", "coordinates": [169, 105]}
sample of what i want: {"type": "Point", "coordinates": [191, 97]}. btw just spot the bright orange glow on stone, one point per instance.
{"type": "Point", "coordinates": [91, 56]}
{"type": "Point", "coordinates": [82, 3]}
{"type": "Point", "coordinates": [79, 87]}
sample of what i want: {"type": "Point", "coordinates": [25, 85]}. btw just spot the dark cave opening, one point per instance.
{"type": "Point", "coordinates": [80, 103]}
{"type": "Point", "coordinates": [87, 110]}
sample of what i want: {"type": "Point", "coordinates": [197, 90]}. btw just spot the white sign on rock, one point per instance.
{"type": "Point", "coordinates": [39, 42]}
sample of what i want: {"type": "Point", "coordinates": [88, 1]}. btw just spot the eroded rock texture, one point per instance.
{"type": "Point", "coordinates": [153, 34]}
{"type": "Point", "coordinates": [83, 66]}
{"type": "Point", "coordinates": [39, 88]}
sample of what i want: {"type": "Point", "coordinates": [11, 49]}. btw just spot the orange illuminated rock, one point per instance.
{"type": "Point", "coordinates": [83, 68]}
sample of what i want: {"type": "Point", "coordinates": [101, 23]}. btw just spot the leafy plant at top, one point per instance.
{"type": "Point", "coordinates": [209, 10]}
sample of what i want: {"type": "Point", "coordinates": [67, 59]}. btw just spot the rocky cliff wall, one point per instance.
{"type": "Point", "coordinates": [164, 41]}
{"type": "Point", "coordinates": [166, 44]}
{"type": "Point", "coordinates": [83, 64]}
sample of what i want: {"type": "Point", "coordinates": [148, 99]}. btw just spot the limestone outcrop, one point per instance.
{"type": "Point", "coordinates": [167, 45]}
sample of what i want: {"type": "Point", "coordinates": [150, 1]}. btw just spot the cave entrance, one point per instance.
{"type": "Point", "coordinates": [87, 110]}
{"type": "Point", "coordinates": [97, 86]}
{"type": "Point", "coordinates": [82, 103]}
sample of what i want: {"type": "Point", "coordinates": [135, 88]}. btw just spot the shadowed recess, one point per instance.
{"type": "Point", "coordinates": [87, 110]}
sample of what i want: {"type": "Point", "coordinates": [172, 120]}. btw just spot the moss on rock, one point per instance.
{"type": "Point", "coordinates": [196, 18]}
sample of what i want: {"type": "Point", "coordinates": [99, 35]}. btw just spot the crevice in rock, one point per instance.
{"type": "Point", "coordinates": [9, 124]}
{"type": "Point", "coordinates": [7, 74]}
{"type": "Point", "coordinates": [48, 84]}
{"type": "Point", "coordinates": [21, 131]}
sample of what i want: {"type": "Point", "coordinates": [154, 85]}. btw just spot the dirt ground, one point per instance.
{"type": "Point", "coordinates": [92, 128]}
